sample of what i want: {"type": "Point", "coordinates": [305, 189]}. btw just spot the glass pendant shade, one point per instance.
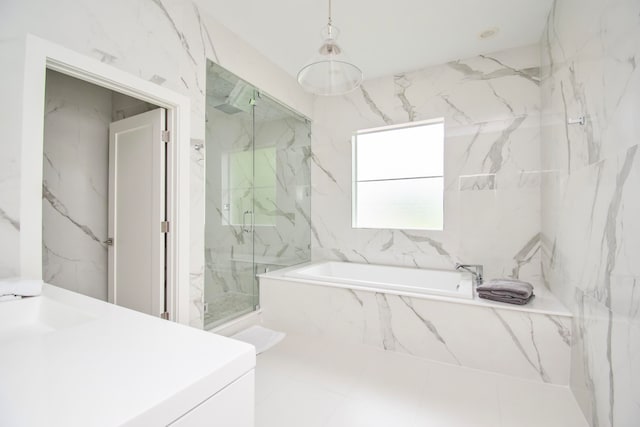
{"type": "Point", "coordinates": [330, 72]}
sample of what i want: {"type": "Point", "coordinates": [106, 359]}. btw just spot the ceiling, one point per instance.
{"type": "Point", "coordinates": [382, 37]}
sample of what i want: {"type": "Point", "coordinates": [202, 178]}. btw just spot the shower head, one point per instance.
{"type": "Point", "coordinates": [228, 109]}
{"type": "Point", "coordinates": [240, 99]}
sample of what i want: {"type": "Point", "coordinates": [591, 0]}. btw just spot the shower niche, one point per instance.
{"type": "Point", "coordinates": [258, 194]}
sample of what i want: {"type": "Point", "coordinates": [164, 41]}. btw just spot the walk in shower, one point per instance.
{"type": "Point", "coordinates": [258, 193]}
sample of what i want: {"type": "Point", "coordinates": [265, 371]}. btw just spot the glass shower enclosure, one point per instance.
{"type": "Point", "coordinates": [257, 186]}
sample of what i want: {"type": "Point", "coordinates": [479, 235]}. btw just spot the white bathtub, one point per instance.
{"type": "Point", "coordinates": [386, 279]}
{"type": "Point", "coordinates": [425, 313]}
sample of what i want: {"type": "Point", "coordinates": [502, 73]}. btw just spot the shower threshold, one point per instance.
{"type": "Point", "coordinates": [227, 307]}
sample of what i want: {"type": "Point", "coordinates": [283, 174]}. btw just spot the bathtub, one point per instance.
{"type": "Point", "coordinates": [430, 314]}
{"type": "Point", "coordinates": [394, 280]}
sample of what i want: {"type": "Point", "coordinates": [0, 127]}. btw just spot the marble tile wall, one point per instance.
{"type": "Point", "coordinates": [490, 105]}
{"type": "Point", "coordinates": [590, 205]}
{"type": "Point", "coordinates": [197, 238]}
{"type": "Point", "coordinates": [75, 181]}
{"type": "Point", "coordinates": [12, 64]}
{"type": "Point", "coordinates": [163, 41]}
{"type": "Point", "coordinates": [75, 185]}
{"type": "Point", "coordinates": [534, 346]}
{"type": "Point", "coordinates": [289, 242]}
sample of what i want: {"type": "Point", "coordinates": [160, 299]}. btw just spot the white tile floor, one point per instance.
{"type": "Point", "coordinates": [307, 383]}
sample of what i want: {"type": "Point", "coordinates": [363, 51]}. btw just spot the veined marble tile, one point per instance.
{"type": "Point", "coordinates": [75, 185]}
{"type": "Point", "coordinates": [506, 149]}
{"type": "Point", "coordinates": [10, 235]}
{"type": "Point", "coordinates": [624, 347]}
{"type": "Point", "coordinates": [490, 105]}
{"type": "Point", "coordinates": [9, 219]}
{"type": "Point", "coordinates": [196, 262]}
{"type": "Point", "coordinates": [523, 344]}
{"type": "Point", "coordinates": [477, 182]}
{"type": "Point", "coordinates": [13, 71]}
{"type": "Point", "coordinates": [588, 246]}
{"type": "Point", "coordinates": [590, 211]}
{"type": "Point", "coordinates": [605, 355]}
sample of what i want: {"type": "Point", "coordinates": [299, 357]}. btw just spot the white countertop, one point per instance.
{"type": "Point", "coordinates": [69, 360]}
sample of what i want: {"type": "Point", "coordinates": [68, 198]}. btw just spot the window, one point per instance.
{"type": "Point", "coordinates": [398, 176]}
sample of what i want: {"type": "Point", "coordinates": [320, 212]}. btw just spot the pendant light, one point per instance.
{"type": "Point", "coordinates": [330, 72]}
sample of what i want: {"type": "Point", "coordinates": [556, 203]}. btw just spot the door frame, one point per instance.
{"type": "Point", "coordinates": [41, 55]}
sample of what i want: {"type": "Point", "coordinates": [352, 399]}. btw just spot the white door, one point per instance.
{"type": "Point", "coordinates": [136, 211]}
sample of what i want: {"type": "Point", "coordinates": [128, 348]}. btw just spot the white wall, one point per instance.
{"type": "Point", "coordinates": [590, 203]}
{"type": "Point", "coordinates": [166, 42]}
{"type": "Point", "coordinates": [490, 105]}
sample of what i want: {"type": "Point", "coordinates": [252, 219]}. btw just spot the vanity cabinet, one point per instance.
{"type": "Point", "coordinates": [68, 360]}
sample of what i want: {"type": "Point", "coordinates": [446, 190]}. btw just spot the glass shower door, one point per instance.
{"type": "Point", "coordinates": [282, 201]}
{"type": "Point", "coordinates": [230, 290]}
{"type": "Point", "coordinates": [257, 187]}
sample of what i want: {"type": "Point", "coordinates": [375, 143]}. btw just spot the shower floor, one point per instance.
{"type": "Point", "coordinates": [317, 383]}
{"type": "Point", "coordinates": [226, 307]}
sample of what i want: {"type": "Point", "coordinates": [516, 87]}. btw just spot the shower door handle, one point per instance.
{"type": "Point", "coordinates": [244, 221]}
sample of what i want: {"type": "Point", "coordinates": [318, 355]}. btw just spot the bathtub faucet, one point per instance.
{"type": "Point", "coordinates": [477, 274]}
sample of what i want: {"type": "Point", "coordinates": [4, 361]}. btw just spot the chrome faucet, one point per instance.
{"type": "Point", "coordinates": [477, 274]}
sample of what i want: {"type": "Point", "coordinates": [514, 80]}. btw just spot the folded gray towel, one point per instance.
{"type": "Point", "coordinates": [507, 299]}
{"type": "Point", "coordinates": [506, 288]}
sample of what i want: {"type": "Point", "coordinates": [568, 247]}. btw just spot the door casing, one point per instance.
{"type": "Point", "coordinates": [40, 55]}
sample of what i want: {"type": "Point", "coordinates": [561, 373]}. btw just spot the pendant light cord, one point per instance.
{"type": "Point", "coordinates": [329, 23]}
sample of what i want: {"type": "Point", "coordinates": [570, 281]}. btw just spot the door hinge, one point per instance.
{"type": "Point", "coordinates": [166, 136]}
{"type": "Point", "coordinates": [164, 315]}
{"type": "Point", "coordinates": [164, 227]}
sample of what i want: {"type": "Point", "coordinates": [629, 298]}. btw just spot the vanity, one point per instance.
{"type": "Point", "coordinates": [70, 360]}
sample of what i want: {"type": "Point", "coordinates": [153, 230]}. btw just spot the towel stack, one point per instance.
{"type": "Point", "coordinates": [16, 288]}
{"type": "Point", "coordinates": [511, 291]}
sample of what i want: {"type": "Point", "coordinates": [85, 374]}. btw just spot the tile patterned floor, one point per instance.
{"type": "Point", "coordinates": [310, 383]}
